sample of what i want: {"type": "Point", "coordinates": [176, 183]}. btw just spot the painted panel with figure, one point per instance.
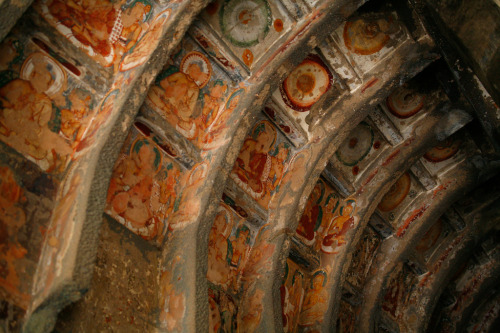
{"type": "Point", "coordinates": [315, 301]}
{"type": "Point", "coordinates": [399, 288]}
{"type": "Point", "coordinates": [362, 258]}
{"type": "Point", "coordinates": [342, 222]}
{"type": "Point", "coordinates": [321, 208]}
{"type": "Point", "coordinates": [261, 163]}
{"type": "Point", "coordinates": [108, 31]}
{"type": "Point", "coordinates": [144, 187]}
{"type": "Point", "coordinates": [45, 107]}
{"type": "Point", "coordinates": [249, 27]}
{"type": "Point", "coordinates": [292, 294]}
{"type": "Point", "coordinates": [222, 312]}
{"type": "Point", "coordinates": [229, 245]}
{"type": "Point", "coordinates": [347, 318]}
{"type": "Point", "coordinates": [26, 200]}
{"type": "Point", "coordinates": [194, 96]}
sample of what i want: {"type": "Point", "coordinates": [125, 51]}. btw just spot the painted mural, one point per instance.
{"type": "Point", "coordinates": [399, 289]}
{"type": "Point", "coordinates": [287, 126]}
{"type": "Point", "coordinates": [107, 30]}
{"type": "Point", "coordinates": [320, 210]}
{"type": "Point", "coordinates": [302, 89]}
{"type": "Point", "coordinates": [315, 301]}
{"type": "Point", "coordinates": [429, 240]}
{"type": "Point", "coordinates": [249, 27]}
{"type": "Point", "coordinates": [26, 200]}
{"type": "Point", "coordinates": [195, 96]}
{"type": "Point", "coordinates": [172, 299]}
{"type": "Point", "coordinates": [229, 245]}
{"type": "Point", "coordinates": [396, 194]}
{"type": "Point", "coordinates": [362, 258]}
{"type": "Point", "coordinates": [261, 163]}
{"type": "Point", "coordinates": [443, 151]}
{"type": "Point", "coordinates": [338, 228]}
{"type": "Point", "coordinates": [292, 294]}
{"type": "Point", "coordinates": [405, 102]}
{"type": "Point", "coordinates": [347, 318]}
{"type": "Point", "coordinates": [144, 187]}
{"type": "Point", "coordinates": [357, 146]}
{"type": "Point", "coordinates": [222, 312]}
{"type": "Point", "coordinates": [45, 108]}
{"type": "Point", "coordinates": [367, 39]}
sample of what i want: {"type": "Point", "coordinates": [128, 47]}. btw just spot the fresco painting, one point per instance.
{"type": "Point", "coordinates": [44, 108]}
{"type": "Point", "coordinates": [405, 102]}
{"type": "Point", "coordinates": [339, 226]}
{"type": "Point", "coordinates": [249, 27]}
{"type": "Point", "coordinates": [292, 294]}
{"type": "Point", "coordinates": [289, 129]}
{"type": "Point", "coordinates": [229, 245]}
{"type": "Point", "coordinates": [261, 163]}
{"type": "Point", "coordinates": [363, 257]}
{"type": "Point", "coordinates": [222, 312]}
{"type": "Point", "coordinates": [321, 208]}
{"type": "Point", "coordinates": [443, 151]}
{"type": "Point", "coordinates": [399, 289]}
{"type": "Point", "coordinates": [26, 201]}
{"type": "Point", "coordinates": [357, 146]}
{"type": "Point", "coordinates": [396, 194]}
{"type": "Point", "coordinates": [367, 39]}
{"type": "Point", "coordinates": [347, 318]}
{"type": "Point", "coordinates": [143, 188]}
{"type": "Point", "coordinates": [315, 301]}
{"type": "Point", "coordinates": [107, 30]}
{"type": "Point", "coordinates": [429, 240]}
{"type": "Point", "coordinates": [172, 300]}
{"type": "Point", "coordinates": [195, 97]}
{"type": "Point", "coordinates": [305, 85]}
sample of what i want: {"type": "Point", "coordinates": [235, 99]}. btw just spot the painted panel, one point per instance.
{"type": "Point", "coordinates": [316, 300]}
{"type": "Point", "coordinates": [26, 200]}
{"type": "Point", "coordinates": [287, 126]}
{"type": "Point", "coordinates": [399, 288]}
{"type": "Point", "coordinates": [347, 318]}
{"type": "Point", "coordinates": [194, 96]}
{"type": "Point", "coordinates": [144, 187]}
{"type": "Point", "coordinates": [292, 294]}
{"type": "Point", "coordinates": [261, 163]}
{"type": "Point", "coordinates": [249, 27]}
{"type": "Point", "coordinates": [305, 86]}
{"type": "Point", "coordinates": [431, 239]}
{"type": "Point", "coordinates": [321, 209]}
{"type": "Point", "coordinates": [222, 312]}
{"type": "Point", "coordinates": [444, 155]}
{"type": "Point", "coordinates": [358, 151]}
{"type": "Point", "coordinates": [362, 258]}
{"type": "Point", "coordinates": [343, 221]}
{"type": "Point", "coordinates": [369, 38]}
{"type": "Point", "coordinates": [108, 31]}
{"type": "Point", "coordinates": [45, 108]}
{"type": "Point", "coordinates": [229, 245]}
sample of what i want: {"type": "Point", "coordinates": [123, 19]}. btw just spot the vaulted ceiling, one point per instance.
{"type": "Point", "coordinates": [249, 165]}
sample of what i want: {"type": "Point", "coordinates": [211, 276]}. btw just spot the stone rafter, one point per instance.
{"type": "Point", "coordinates": [392, 251]}
{"type": "Point", "coordinates": [163, 275]}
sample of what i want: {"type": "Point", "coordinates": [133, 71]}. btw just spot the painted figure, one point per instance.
{"type": "Point", "coordinates": [26, 111]}
{"type": "Point", "coordinates": [131, 188]}
{"type": "Point", "coordinates": [253, 164]}
{"type": "Point", "coordinates": [218, 245]}
{"type": "Point", "coordinates": [315, 302]}
{"type": "Point", "coordinates": [73, 118]}
{"type": "Point", "coordinates": [313, 214]}
{"type": "Point", "coordinates": [338, 228]}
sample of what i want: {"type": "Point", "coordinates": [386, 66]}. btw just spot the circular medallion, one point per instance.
{"type": "Point", "coordinates": [397, 193]}
{"type": "Point", "coordinates": [443, 151]}
{"type": "Point", "coordinates": [430, 238]}
{"type": "Point", "coordinates": [44, 74]}
{"type": "Point", "coordinates": [197, 67]}
{"type": "Point", "coordinates": [404, 103]}
{"type": "Point", "coordinates": [356, 146]}
{"type": "Point", "coordinates": [245, 22]}
{"type": "Point", "coordinates": [306, 84]}
{"type": "Point", "coordinates": [366, 36]}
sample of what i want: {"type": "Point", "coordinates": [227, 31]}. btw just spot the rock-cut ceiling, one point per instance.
{"type": "Point", "coordinates": [249, 165]}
